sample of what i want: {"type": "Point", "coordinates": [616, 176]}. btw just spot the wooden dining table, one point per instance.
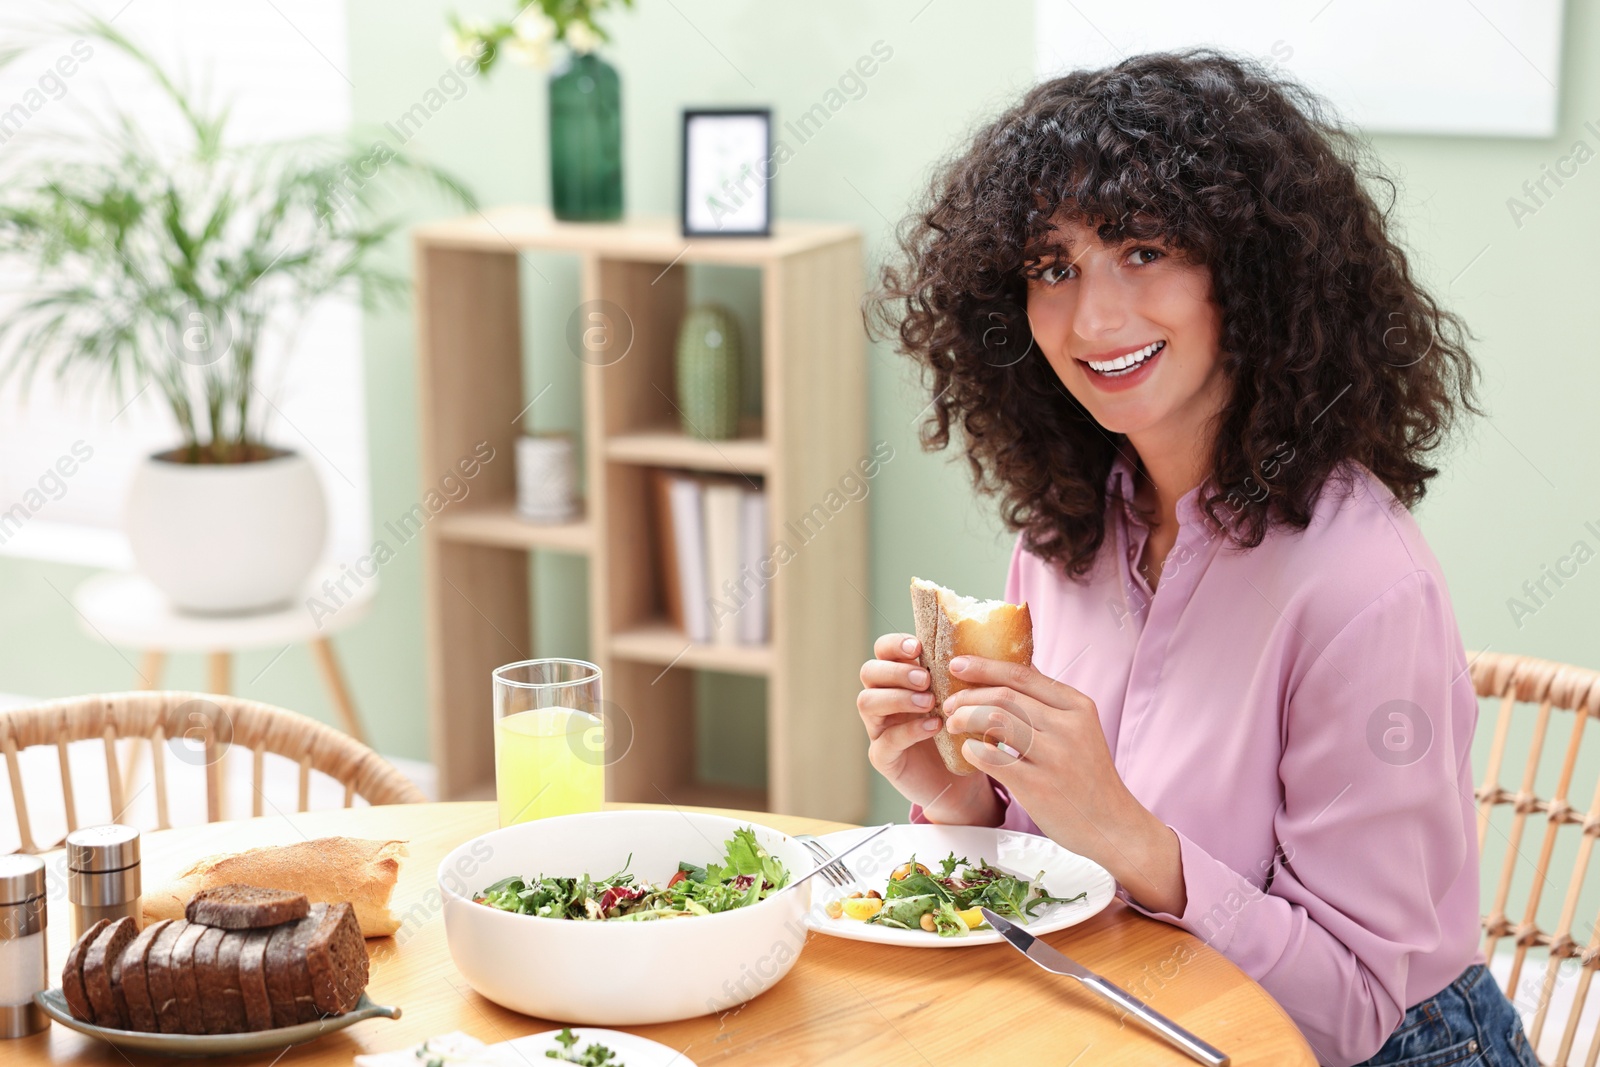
{"type": "Point", "coordinates": [844, 1002]}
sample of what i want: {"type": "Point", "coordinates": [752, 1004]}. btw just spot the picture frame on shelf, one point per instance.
{"type": "Point", "coordinates": [726, 181]}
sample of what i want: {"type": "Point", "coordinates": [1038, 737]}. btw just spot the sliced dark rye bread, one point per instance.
{"type": "Point", "coordinates": [280, 974]}
{"type": "Point", "coordinates": [256, 1002]}
{"type": "Point", "coordinates": [184, 986]}
{"type": "Point", "coordinates": [131, 974]}
{"type": "Point", "coordinates": [158, 972]}
{"type": "Point", "coordinates": [299, 947]}
{"type": "Point", "coordinates": [336, 956]}
{"type": "Point", "coordinates": [104, 950]}
{"type": "Point", "coordinates": [72, 974]}
{"type": "Point", "coordinates": [208, 980]}
{"type": "Point", "coordinates": [246, 907]}
{"type": "Point", "coordinates": [228, 968]}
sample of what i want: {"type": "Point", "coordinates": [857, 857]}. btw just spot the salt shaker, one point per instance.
{"type": "Point", "coordinates": [103, 876]}
{"type": "Point", "coordinates": [24, 967]}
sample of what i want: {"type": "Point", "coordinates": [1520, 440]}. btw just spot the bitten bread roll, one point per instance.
{"type": "Point", "coordinates": [329, 870]}
{"type": "Point", "coordinates": [949, 625]}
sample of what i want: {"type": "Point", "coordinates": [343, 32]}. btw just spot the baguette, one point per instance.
{"type": "Point", "coordinates": [329, 870]}
{"type": "Point", "coordinates": [949, 625]}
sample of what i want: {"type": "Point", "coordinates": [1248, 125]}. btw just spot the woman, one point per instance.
{"type": "Point", "coordinates": [1178, 341]}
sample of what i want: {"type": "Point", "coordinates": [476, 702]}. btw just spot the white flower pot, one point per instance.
{"type": "Point", "coordinates": [227, 538]}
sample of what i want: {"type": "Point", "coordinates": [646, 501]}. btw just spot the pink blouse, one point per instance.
{"type": "Point", "coordinates": [1301, 714]}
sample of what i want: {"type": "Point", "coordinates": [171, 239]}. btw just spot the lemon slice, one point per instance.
{"type": "Point", "coordinates": [862, 908]}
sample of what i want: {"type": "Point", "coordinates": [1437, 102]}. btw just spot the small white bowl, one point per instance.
{"type": "Point", "coordinates": [619, 973]}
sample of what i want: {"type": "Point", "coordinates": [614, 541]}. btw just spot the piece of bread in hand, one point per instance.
{"type": "Point", "coordinates": [328, 870]}
{"type": "Point", "coordinates": [950, 625]}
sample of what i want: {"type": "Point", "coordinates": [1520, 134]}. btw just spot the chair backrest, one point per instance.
{"type": "Point", "coordinates": [1552, 688]}
{"type": "Point", "coordinates": [200, 728]}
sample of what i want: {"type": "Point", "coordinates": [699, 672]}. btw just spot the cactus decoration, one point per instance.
{"type": "Point", "coordinates": [708, 372]}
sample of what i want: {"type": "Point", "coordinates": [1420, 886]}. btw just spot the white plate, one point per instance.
{"type": "Point", "coordinates": [1066, 874]}
{"type": "Point", "coordinates": [631, 1049]}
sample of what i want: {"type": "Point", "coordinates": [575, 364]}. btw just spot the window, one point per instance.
{"type": "Point", "coordinates": [283, 65]}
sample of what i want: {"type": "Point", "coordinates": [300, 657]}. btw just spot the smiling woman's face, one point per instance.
{"type": "Point", "coordinates": [1132, 332]}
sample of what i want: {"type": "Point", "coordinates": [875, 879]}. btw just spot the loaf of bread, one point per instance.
{"type": "Point", "coordinates": [183, 977]}
{"type": "Point", "coordinates": [950, 625]}
{"type": "Point", "coordinates": [328, 870]}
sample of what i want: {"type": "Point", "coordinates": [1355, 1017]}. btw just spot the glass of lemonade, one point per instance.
{"type": "Point", "coordinates": [549, 739]}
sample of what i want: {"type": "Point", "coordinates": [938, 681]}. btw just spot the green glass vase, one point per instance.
{"type": "Point", "coordinates": [586, 141]}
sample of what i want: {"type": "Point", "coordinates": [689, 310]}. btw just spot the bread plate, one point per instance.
{"type": "Point", "coordinates": [1066, 874]}
{"type": "Point", "coordinates": [54, 1004]}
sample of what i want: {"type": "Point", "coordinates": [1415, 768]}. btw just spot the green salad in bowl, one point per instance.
{"type": "Point", "coordinates": [748, 873]}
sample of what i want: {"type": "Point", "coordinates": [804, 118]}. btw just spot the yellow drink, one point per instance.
{"type": "Point", "coordinates": [547, 762]}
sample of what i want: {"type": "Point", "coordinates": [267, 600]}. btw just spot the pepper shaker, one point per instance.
{"type": "Point", "coordinates": [103, 876]}
{"type": "Point", "coordinates": [24, 966]}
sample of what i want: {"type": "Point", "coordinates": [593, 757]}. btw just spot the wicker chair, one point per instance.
{"type": "Point", "coordinates": [1552, 687]}
{"type": "Point", "coordinates": [204, 724]}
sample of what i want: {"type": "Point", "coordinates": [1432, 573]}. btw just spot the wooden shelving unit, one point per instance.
{"type": "Point", "coordinates": [811, 433]}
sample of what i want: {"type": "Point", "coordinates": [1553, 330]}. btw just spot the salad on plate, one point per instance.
{"type": "Point", "coordinates": [747, 873]}
{"type": "Point", "coordinates": [948, 903]}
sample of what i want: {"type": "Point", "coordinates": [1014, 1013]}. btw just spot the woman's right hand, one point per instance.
{"type": "Point", "coordinates": [896, 707]}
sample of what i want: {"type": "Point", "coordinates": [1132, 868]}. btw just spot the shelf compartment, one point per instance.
{"type": "Point", "coordinates": [661, 642]}
{"type": "Point", "coordinates": [500, 525]}
{"type": "Point", "coordinates": [667, 446]}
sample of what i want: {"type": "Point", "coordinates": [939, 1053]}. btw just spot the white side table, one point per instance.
{"type": "Point", "coordinates": [127, 610]}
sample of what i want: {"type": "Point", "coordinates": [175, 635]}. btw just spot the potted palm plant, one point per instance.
{"type": "Point", "coordinates": [169, 268]}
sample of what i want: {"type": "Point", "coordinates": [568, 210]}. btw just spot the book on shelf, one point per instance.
{"type": "Point", "coordinates": [712, 541]}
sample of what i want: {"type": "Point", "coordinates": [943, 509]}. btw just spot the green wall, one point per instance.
{"type": "Point", "coordinates": [1515, 495]}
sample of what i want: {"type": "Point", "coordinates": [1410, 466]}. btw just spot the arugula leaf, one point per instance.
{"type": "Point", "coordinates": [949, 865]}
{"type": "Point", "coordinates": [1046, 898]}
{"type": "Point", "coordinates": [917, 884]}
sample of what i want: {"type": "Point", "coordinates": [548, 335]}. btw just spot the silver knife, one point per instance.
{"type": "Point", "coordinates": [1056, 963]}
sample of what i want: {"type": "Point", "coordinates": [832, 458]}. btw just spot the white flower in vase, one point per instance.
{"type": "Point", "coordinates": [528, 53]}
{"type": "Point", "coordinates": [534, 26]}
{"type": "Point", "coordinates": [582, 38]}
{"type": "Point", "coordinates": [466, 41]}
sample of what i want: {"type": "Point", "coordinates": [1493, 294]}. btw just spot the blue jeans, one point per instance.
{"type": "Point", "coordinates": [1469, 1022]}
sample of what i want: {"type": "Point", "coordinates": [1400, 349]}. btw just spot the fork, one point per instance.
{"type": "Point", "coordinates": [835, 872]}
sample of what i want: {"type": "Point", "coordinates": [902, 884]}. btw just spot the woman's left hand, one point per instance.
{"type": "Point", "coordinates": [1062, 774]}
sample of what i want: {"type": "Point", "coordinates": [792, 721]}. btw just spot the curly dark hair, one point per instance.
{"type": "Point", "coordinates": [1235, 169]}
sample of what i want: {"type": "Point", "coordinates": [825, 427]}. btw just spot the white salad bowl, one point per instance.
{"type": "Point", "coordinates": [619, 973]}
